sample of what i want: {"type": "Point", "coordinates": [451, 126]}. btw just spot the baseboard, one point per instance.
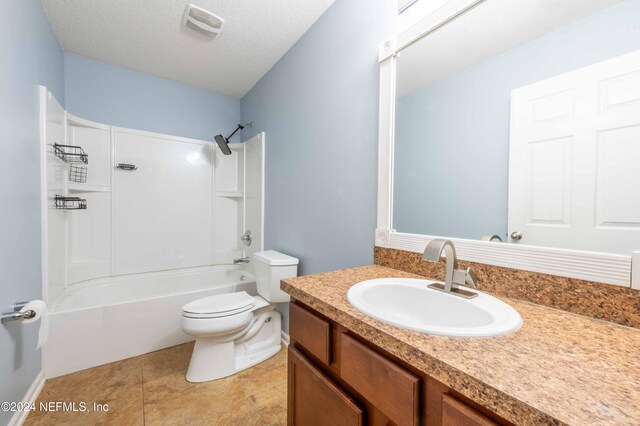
{"type": "Point", "coordinates": [284, 337]}
{"type": "Point", "coordinates": [29, 398]}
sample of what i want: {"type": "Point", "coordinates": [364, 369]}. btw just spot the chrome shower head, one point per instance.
{"type": "Point", "coordinates": [223, 143]}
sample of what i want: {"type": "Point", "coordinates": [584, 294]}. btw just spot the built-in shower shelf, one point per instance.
{"type": "Point", "coordinates": [87, 187]}
{"type": "Point", "coordinates": [229, 194]}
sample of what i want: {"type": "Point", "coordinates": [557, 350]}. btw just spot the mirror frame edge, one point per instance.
{"type": "Point", "coordinates": [616, 269]}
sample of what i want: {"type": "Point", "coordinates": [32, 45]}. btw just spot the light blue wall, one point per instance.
{"type": "Point", "coordinates": [459, 127]}
{"type": "Point", "coordinates": [319, 108]}
{"type": "Point", "coordinates": [110, 94]}
{"type": "Point", "coordinates": [30, 55]}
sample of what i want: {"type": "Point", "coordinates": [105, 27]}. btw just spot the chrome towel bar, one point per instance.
{"type": "Point", "coordinates": [127, 167]}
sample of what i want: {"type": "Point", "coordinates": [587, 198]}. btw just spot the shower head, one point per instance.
{"type": "Point", "coordinates": [223, 143]}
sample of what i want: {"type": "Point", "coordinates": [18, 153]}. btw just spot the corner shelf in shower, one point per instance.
{"type": "Point", "coordinates": [229, 194]}
{"type": "Point", "coordinates": [70, 203]}
{"type": "Point", "coordinates": [87, 187]}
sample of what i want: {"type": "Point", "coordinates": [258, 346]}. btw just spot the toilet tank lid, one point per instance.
{"type": "Point", "coordinates": [272, 257]}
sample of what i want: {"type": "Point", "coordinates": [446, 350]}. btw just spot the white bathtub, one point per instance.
{"type": "Point", "coordinates": [106, 320]}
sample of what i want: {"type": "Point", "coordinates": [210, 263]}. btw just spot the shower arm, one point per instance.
{"type": "Point", "coordinates": [240, 127]}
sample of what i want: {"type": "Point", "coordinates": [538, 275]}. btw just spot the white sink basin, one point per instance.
{"type": "Point", "coordinates": [410, 304]}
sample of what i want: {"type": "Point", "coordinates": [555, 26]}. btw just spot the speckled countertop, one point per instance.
{"type": "Point", "coordinates": [559, 368]}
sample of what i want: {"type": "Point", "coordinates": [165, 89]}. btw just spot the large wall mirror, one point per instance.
{"type": "Point", "coordinates": [520, 120]}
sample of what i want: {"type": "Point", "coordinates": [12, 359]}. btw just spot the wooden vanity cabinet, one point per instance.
{"type": "Point", "coordinates": [455, 412]}
{"type": "Point", "coordinates": [311, 393]}
{"type": "Point", "coordinates": [336, 378]}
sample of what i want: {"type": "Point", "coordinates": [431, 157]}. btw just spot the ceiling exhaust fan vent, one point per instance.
{"type": "Point", "coordinates": [202, 21]}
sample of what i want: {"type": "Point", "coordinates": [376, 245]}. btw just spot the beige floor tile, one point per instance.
{"type": "Point", "coordinates": [151, 390]}
{"type": "Point", "coordinates": [241, 412]}
{"type": "Point", "coordinates": [125, 408]}
{"type": "Point", "coordinates": [264, 375]}
{"type": "Point", "coordinates": [272, 404]}
{"type": "Point", "coordinates": [172, 400]}
{"type": "Point", "coordinates": [167, 361]}
{"type": "Point", "coordinates": [275, 415]}
{"type": "Point", "coordinates": [103, 381]}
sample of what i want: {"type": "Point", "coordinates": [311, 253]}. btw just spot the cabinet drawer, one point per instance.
{"type": "Point", "coordinates": [311, 332]}
{"type": "Point", "coordinates": [386, 385]}
{"type": "Point", "coordinates": [457, 413]}
{"type": "Point", "coordinates": [314, 399]}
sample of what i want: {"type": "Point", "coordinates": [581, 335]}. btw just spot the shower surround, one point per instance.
{"type": "Point", "coordinates": [136, 224]}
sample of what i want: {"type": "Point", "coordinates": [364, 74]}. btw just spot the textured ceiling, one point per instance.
{"type": "Point", "coordinates": [489, 29]}
{"type": "Point", "coordinates": [148, 36]}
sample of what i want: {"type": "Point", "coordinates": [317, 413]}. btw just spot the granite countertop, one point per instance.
{"type": "Point", "coordinates": [559, 368]}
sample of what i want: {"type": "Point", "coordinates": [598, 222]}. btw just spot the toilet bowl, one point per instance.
{"type": "Point", "coordinates": [235, 331]}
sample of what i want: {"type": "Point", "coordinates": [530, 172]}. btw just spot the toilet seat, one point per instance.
{"type": "Point", "coordinates": [220, 305]}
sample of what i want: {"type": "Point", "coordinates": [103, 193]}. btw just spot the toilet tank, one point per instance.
{"type": "Point", "coordinates": [271, 267]}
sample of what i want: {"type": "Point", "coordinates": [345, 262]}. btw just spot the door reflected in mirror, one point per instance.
{"type": "Point", "coordinates": [521, 120]}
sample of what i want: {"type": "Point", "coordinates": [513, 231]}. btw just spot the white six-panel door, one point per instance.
{"type": "Point", "coordinates": [574, 168]}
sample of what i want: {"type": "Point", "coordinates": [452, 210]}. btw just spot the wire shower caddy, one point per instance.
{"type": "Point", "coordinates": [70, 154]}
{"type": "Point", "coordinates": [77, 173]}
{"type": "Point", "coordinates": [76, 158]}
{"type": "Point", "coordinates": [70, 203]}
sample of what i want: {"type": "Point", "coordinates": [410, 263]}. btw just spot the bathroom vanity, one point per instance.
{"type": "Point", "coordinates": [348, 368]}
{"type": "Point", "coordinates": [332, 370]}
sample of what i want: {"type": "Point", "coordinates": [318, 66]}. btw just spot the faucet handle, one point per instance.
{"type": "Point", "coordinates": [471, 279]}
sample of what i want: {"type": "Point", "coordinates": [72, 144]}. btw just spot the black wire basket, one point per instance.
{"type": "Point", "coordinates": [70, 154]}
{"type": "Point", "coordinates": [77, 173]}
{"type": "Point", "coordinates": [70, 203]}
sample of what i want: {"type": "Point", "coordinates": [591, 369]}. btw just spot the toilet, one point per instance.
{"type": "Point", "coordinates": [235, 331]}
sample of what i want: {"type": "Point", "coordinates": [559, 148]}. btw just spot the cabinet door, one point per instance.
{"type": "Point", "coordinates": [311, 332]}
{"type": "Point", "coordinates": [373, 376]}
{"type": "Point", "coordinates": [456, 413]}
{"type": "Point", "coordinates": [315, 400]}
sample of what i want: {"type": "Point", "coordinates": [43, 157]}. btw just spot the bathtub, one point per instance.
{"type": "Point", "coordinates": [106, 320]}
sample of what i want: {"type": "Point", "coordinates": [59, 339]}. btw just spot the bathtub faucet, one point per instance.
{"type": "Point", "coordinates": [241, 260]}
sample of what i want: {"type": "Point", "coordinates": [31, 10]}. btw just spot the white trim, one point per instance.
{"type": "Point", "coordinates": [429, 23]}
{"type": "Point", "coordinates": [591, 266]}
{"type": "Point", "coordinates": [244, 197]}
{"type": "Point", "coordinates": [44, 231]}
{"type": "Point", "coordinates": [29, 399]}
{"type": "Point", "coordinates": [263, 142]}
{"type": "Point", "coordinates": [160, 135]}
{"type": "Point", "coordinates": [635, 270]}
{"type": "Point", "coordinates": [284, 337]}
{"type": "Point", "coordinates": [81, 122]}
{"type": "Point", "coordinates": [386, 141]}
{"type": "Point", "coordinates": [112, 203]}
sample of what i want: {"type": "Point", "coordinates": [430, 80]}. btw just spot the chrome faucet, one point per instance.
{"type": "Point", "coordinates": [454, 277]}
{"type": "Point", "coordinates": [241, 260]}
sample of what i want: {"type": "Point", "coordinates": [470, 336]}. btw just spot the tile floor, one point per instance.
{"type": "Point", "coordinates": [151, 390]}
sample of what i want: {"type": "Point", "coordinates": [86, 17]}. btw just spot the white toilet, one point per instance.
{"type": "Point", "coordinates": [235, 331]}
